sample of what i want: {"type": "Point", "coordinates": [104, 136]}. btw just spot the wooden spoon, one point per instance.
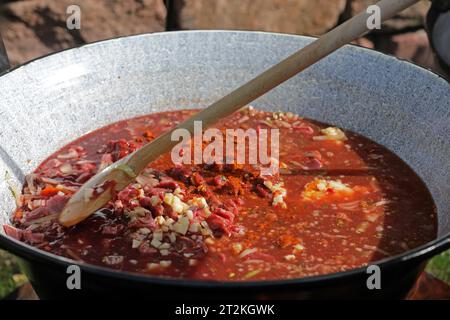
{"type": "Point", "coordinates": [96, 192]}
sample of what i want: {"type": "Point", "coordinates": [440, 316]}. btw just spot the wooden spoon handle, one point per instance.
{"type": "Point", "coordinates": [300, 60]}
{"type": "Point", "coordinates": [124, 171]}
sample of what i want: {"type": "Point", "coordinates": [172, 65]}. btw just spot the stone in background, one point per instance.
{"type": "Point", "coordinates": [307, 17]}
{"type": "Point", "coordinates": [410, 18]}
{"type": "Point", "coordinates": [413, 46]}
{"type": "Point", "coordinates": [32, 28]}
{"type": "Point", "coordinates": [403, 36]}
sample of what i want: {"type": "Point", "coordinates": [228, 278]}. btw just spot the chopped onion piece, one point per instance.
{"type": "Point", "coordinates": [331, 133]}
{"type": "Point", "coordinates": [136, 243]}
{"type": "Point", "coordinates": [71, 154]}
{"type": "Point", "coordinates": [66, 168]}
{"type": "Point", "coordinates": [246, 252]}
{"type": "Point", "coordinates": [165, 263]}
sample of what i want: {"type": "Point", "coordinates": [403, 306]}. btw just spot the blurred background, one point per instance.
{"type": "Point", "coordinates": [32, 28]}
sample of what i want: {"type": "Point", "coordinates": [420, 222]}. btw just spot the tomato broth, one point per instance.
{"type": "Point", "coordinates": [339, 201]}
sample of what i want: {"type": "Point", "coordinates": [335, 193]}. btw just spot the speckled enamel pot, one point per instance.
{"type": "Point", "coordinates": [50, 101]}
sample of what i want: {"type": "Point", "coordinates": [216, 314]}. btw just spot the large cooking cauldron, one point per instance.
{"type": "Point", "coordinates": [50, 101]}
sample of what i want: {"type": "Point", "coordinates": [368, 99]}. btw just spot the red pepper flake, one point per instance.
{"type": "Point", "coordinates": [148, 134]}
{"type": "Point", "coordinates": [303, 129]}
{"type": "Point", "coordinates": [49, 191]}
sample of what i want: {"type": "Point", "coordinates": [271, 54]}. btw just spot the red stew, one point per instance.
{"type": "Point", "coordinates": [340, 201]}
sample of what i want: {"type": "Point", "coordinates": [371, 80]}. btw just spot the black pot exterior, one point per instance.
{"type": "Point", "coordinates": [50, 282]}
